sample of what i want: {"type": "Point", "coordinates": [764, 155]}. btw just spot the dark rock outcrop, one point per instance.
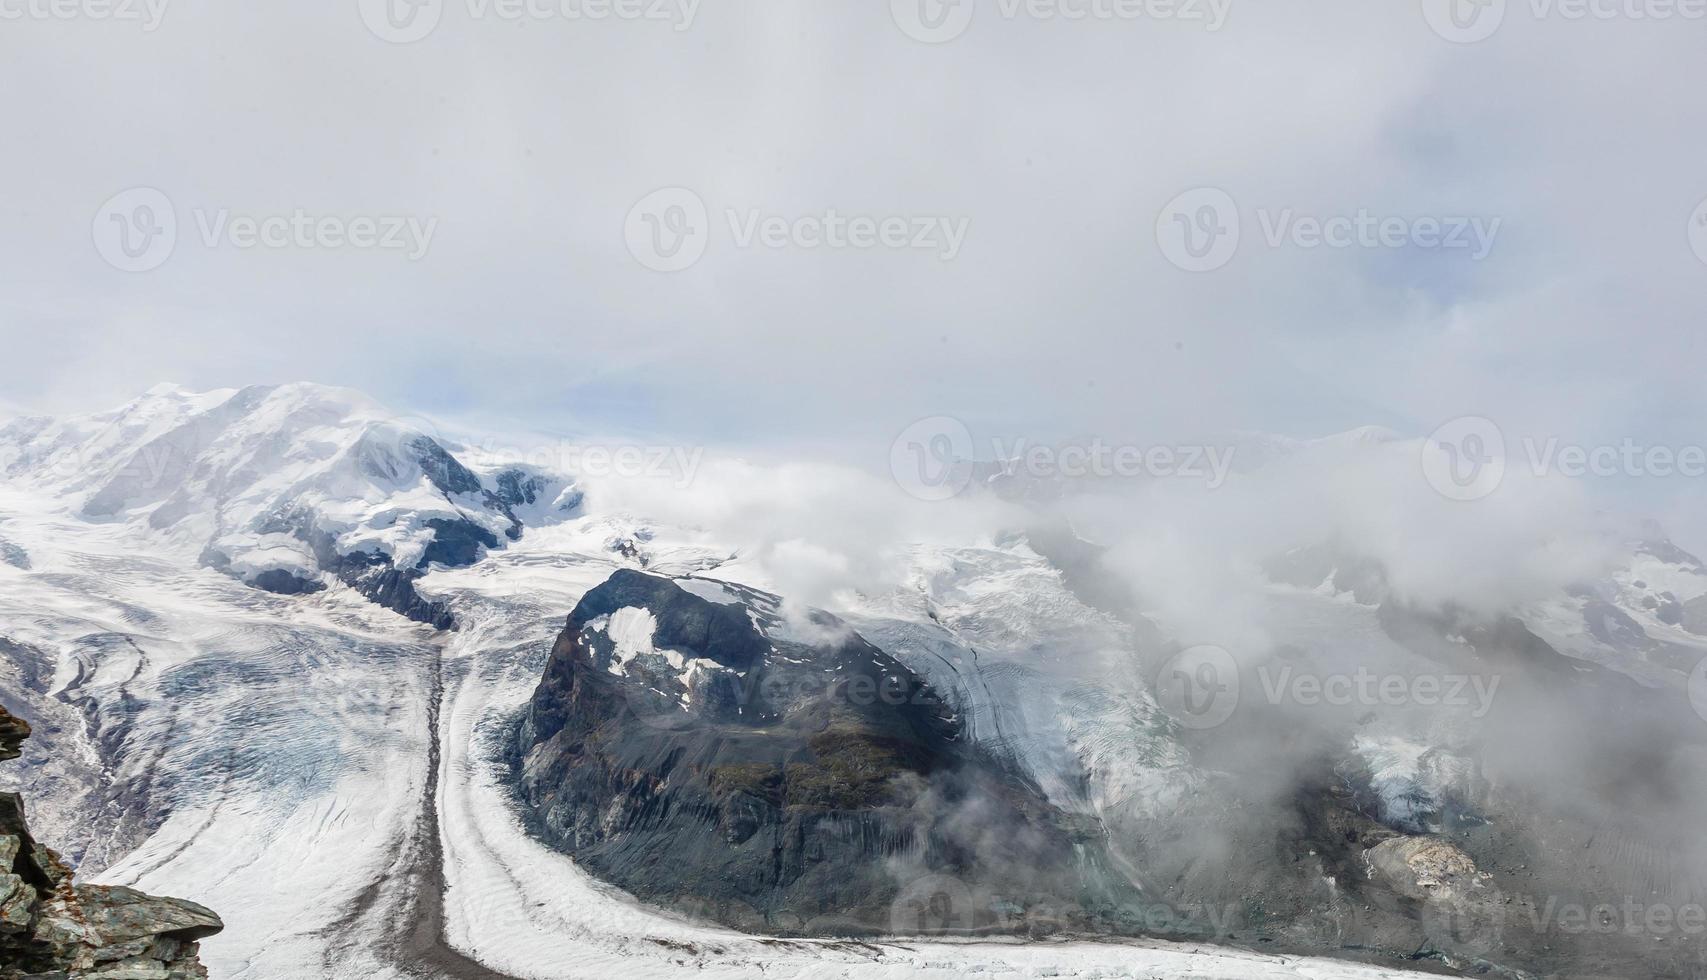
{"type": "Point", "coordinates": [13, 731]}
{"type": "Point", "coordinates": [455, 543]}
{"type": "Point", "coordinates": [52, 927]}
{"type": "Point", "coordinates": [523, 487]}
{"type": "Point", "coordinates": [280, 582]}
{"type": "Point", "coordinates": [518, 488]}
{"type": "Point", "coordinates": [383, 583]}
{"type": "Point", "coordinates": [784, 778]}
{"type": "Point", "coordinates": [14, 555]}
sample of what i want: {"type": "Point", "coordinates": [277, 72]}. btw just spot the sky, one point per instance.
{"type": "Point", "coordinates": [827, 240]}
{"type": "Point", "coordinates": [1047, 172]}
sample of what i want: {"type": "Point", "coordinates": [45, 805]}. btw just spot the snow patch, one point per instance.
{"type": "Point", "coordinates": [631, 629]}
{"type": "Point", "coordinates": [709, 591]}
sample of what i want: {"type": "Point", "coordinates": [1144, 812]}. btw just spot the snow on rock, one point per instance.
{"type": "Point", "coordinates": [631, 631]}
{"type": "Point", "coordinates": [709, 590]}
{"type": "Point", "coordinates": [1647, 619]}
{"type": "Point", "coordinates": [536, 495]}
{"type": "Point", "coordinates": [281, 486]}
{"type": "Point", "coordinates": [528, 911]}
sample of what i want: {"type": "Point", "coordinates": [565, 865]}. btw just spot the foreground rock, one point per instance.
{"type": "Point", "coordinates": [51, 927]}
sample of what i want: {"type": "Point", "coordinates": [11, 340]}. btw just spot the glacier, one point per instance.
{"type": "Point", "coordinates": [328, 773]}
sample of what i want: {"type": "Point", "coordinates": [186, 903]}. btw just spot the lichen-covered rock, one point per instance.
{"type": "Point", "coordinates": [1426, 867]}
{"type": "Point", "coordinates": [52, 927]}
{"type": "Point", "coordinates": [17, 904]}
{"type": "Point", "coordinates": [13, 731]}
{"type": "Point", "coordinates": [116, 915]}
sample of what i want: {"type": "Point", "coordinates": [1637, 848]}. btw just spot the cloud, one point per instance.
{"type": "Point", "coordinates": [1197, 557]}
{"type": "Point", "coordinates": [808, 531]}
{"type": "Point", "coordinates": [1057, 142]}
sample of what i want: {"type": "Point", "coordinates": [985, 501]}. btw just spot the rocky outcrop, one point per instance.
{"type": "Point", "coordinates": [52, 927]}
{"type": "Point", "coordinates": [784, 777]}
{"type": "Point", "coordinates": [13, 731]}
{"type": "Point", "coordinates": [383, 583]}
{"type": "Point", "coordinates": [455, 543]}
{"type": "Point", "coordinates": [14, 555]}
{"type": "Point", "coordinates": [1426, 868]}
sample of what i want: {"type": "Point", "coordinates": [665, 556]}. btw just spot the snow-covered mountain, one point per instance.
{"type": "Point", "coordinates": [199, 614]}
{"type": "Point", "coordinates": [286, 488]}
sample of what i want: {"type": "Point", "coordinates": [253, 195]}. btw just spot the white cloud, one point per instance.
{"type": "Point", "coordinates": [1057, 142]}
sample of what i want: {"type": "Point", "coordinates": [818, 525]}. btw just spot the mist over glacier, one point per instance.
{"type": "Point", "coordinates": [504, 489]}
{"type": "Point", "coordinates": [1509, 678]}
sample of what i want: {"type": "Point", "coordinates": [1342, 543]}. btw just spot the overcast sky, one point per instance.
{"type": "Point", "coordinates": [1054, 147]}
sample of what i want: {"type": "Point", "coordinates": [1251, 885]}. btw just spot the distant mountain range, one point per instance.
{"type": "Point", "coordinates": [391, 710]}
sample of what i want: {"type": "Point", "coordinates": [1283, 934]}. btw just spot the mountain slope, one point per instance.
{"type": "Point", "coordinates": [701, 751]}
{"type": "Point", "coordinates": [338, 781]}
{"type": "Point", "coordinates": [286, 488]}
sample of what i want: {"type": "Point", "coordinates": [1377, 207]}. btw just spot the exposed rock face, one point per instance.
{"type": "Point", "coordinates": [14, 555]}
{"type": "Point", "coordinates": [13, 731]}
{"type": "Point", "coordinates": [51, 927]}
{"type": "Point", "coordinates": [702, 754]}
{"type": "Point", "coordinates": [376, 576]}
{"type": "Point", "coordinates": [1426, 868]}
{"type": "Point", "coordinates": [380, 577]}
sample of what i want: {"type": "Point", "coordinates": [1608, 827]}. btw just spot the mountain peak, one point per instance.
{"type": "Point", "coordinates": [287, 487]}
